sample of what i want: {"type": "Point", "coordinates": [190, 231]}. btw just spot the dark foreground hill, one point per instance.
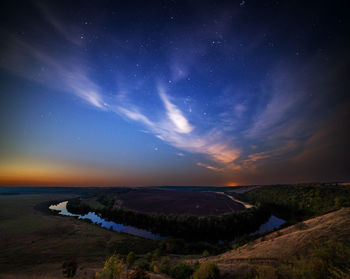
{"type": "Point", "coordinates": [289, 246]}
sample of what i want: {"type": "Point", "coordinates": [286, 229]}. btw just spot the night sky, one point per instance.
{"type": "Point", "coordinates": [126, 93]}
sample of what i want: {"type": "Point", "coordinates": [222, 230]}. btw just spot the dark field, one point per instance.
{"type": "Point", "coordinates": [36, 243]}
{"type": "Point", "coordinates": [178, 202]}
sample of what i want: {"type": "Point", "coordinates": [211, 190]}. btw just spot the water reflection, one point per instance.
{"type": "Point", "coordinates": [93, 217]}
{"type": "Point", "coordinates": [271, 224]}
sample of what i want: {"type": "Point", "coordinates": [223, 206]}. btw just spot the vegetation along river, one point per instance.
{"type": "Point", "coordinates": [271, 224]}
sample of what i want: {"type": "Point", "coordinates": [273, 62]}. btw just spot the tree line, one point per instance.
{"type": "Point", "coordinates": [298, 202]}
{"type": "Point", "coordinates": [189, 227]}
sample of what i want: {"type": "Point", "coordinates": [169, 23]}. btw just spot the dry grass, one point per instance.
{"type": "Point", "coordinates": [284, 244]}
{"type": "Point", "coordinates": [289, 241]}
{"type": "Point", "coordinates": [36, 244]}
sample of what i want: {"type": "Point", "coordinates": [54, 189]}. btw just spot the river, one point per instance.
{"type": "Point", "coordinates": [271, 224]}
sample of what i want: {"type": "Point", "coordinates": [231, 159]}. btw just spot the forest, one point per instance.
{"type": "Point", "coordinates": [188, 227]}
{"type": "Point", "coordinates": [299, 202]}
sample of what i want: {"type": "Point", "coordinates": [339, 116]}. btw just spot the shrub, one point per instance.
{"type": "Point", "coordinates": [165, 266]}
{"type": "Point", "coordinates": [112, 269]}
{"type": "Point", "coordinates": [207, 271]}
{"type": "Point", "coordinates": [69, 268]}
{"type": "Point", "coordinates": [325, 261]}
{"type": "Point", "coordinates": [143, 265]}
{"type": "Point", "coordinates": [266, 272]}
{"type": "Point", "coordinates": [181, 271]}
{"type": "Point", "coordinates": [138, 274]}
{"type": "Point", "coordinates": [149, 257]}
{"type": "Point", "coordinates": [130, 259]}
{"type": "Point", "coordinates": [156, 254]}
{"type": "Point", "coordinates": [155, 269]}
{"type": "Point", "coordinates": [175, 246]}
{"type": "Point", "coordinates": [205, 254]}
{"type": "Point", "coordinates": [196, 265]}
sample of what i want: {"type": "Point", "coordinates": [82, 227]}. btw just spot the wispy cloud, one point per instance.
{"type": "Point", "coordinates": [284, 148]}
{"type": "Point", "coordinates": [68, 74]}
{"type": "Point", "coordinates": [210, 167]}
{"type": "Point", "coordinates": [282, 98]}
{"type": "Point", "coordinates": [176, 130]}
{"type": "Point", "coordinates": [175, 115]}
{"type": "Point", "coordinates": [173, 127]}
{"type": "Point", "coordinates": [70, 33]}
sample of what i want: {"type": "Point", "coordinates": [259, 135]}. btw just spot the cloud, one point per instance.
{"type": "Point", "coordinates": [133, 115]}
{"type": "Point", "coordinates": [77, 82]}
{"type": "Point", "coordinates": [284, 148]}
{"type": "Point", "coordinates": [177, 133]}
{"type": "Point", "coordinates": [209, 167]}
{"type": "Point", "coordinates": [282, 98]}
{"type": "Point", "coordinates": [57, 72]}
{"type": "Point", "coordinates": [70, 32]}
{"type": "Point", "coordinates": [175, 115]}
{"type": "Point", "coordinates": [66, 71]}
{"type": "Point", "coordinates": [173, 128]}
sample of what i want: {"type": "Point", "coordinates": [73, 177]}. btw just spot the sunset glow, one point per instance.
{"type": "Point", "coordinates": [175, 94]}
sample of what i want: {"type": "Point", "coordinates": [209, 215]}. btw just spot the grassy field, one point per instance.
{"type": "Point", "coordinates": [165, 201]}
{"type": "Point", "coordinates": [35, 243]}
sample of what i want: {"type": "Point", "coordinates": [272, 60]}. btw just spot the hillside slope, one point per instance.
{"type": "Point", "coordinates": [283, 245]}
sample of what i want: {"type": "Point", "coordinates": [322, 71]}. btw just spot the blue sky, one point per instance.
{"type": "Point", "coordinates": [173, 93]}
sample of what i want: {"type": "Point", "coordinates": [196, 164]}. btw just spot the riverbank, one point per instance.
{"type": "Point", "coordinates": [35, 241]}
{"type": "Point", "coordinates": [246, 205]}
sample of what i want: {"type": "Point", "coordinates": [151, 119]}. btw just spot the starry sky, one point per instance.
{"type": "Point", "coordinates": [143, 93]}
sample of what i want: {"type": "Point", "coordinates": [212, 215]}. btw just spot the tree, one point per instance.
{"type": "Point", "coordinates": [112, 269]}
{"type": "Point", "coordinates": [207, 271]}
{"type": "Point", "coordinates": [205, 254]}
{"type": "Point", "coordinates": [130, 260]}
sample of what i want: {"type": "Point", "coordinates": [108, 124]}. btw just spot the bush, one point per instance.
{"type": "Point", "coordinates": [112, 269]}
{"type": "Point", "coordinates": [196, 265]}
{"type": "Point", "coordinates": [155, 269]}
{"type": "Point", "coordinates": [148, 257]}
{"type": "Point", "coordinates": [130, 259]}
{"type": "Point", "coordinates": [138, 274]}
{"type": "Point", "coordinates": [143, 265]}
{"type": "Point", "coordinates": [205, 254]}
{"type": "Point", "coordinates": [176, 246]}
{"type": "Point", "coordinates": [181, 271]}
{"type": "Point", "coordinates": [69, 268]}
{"type": "Point", "coordinates": [207, 271]}
{"type": "Point", "coordinates": [266, 272]}
{"type": "Point", "coordinates": [165, 266]}
{"type": "Point", "coordinates": [325, 261]}
{"type": "Point", "coordinates": [156, 254]}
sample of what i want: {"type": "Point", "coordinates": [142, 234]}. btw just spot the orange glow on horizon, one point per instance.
{"type": "Point", "coordinates": [39, 173]}
{"type": "Point", "coordinates": [232, 184]}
